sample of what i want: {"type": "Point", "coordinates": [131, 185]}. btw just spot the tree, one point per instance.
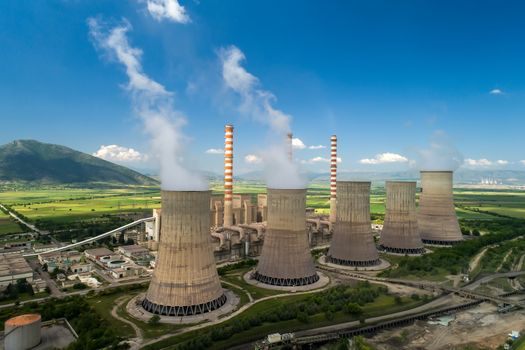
{"type": "Point", "coordinates": [154, 320]}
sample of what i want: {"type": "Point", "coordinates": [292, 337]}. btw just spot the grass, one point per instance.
{"type": "Point", "coordinates": [103, 306]}
{"type": "Point", "coordinates": [384, 304]}
{"type": "Point", "coordinates": [8, 225]}
{"type": "Point", "coordinates": [236, 277]}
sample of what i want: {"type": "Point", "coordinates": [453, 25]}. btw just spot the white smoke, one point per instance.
{"type": "Point", "coordinates": [281, 172]}
{"type": "Point", "coordinates": [440, 155]}
{"type": "Point", "coordinates": [153, 104]}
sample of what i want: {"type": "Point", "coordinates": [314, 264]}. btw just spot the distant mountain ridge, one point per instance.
{"type": "Point", "coordinates": [31, 160]}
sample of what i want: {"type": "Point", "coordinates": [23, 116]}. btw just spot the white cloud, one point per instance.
{"type": "Point", "coordinates": [502, 162]}
{"type": "Point", "coordinates": [298, 143]}
{"type": "Point", "coordinates": [383, 158]}
{"type": "Point", "coordinates": [168, 9]}
{"type": "Point", "coordinates": [114, 153]}
{"type": "Point", "coordinates": [477, 162]}
{"type": "Point", "coordinates": [316, 147]}
{"type": "Point", "coordinates": [317, 160]}
{"type": "Point", "coordinates": [496, 92]}
{"type": "Point", "coordinates": [522, 162]}
{"type": "Point", "coordinates": [252, 159]}
{"type": "Point", "coordinates": [215, 151]}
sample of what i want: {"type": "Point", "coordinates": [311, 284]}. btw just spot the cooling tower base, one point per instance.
{"type": "Point", "coordinates": [365, 263]}
{"type": "Point", "coordinates": [402, 251]}
{"type": "Point", "coordinates": [166, 310]}
{"type": "Point", "coordinates": [440, 243]}
{"type": "Point", "coordinates": [286, 282]}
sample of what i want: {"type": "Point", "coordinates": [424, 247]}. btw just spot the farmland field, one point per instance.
{"type": "Point", "coordinates": [63, 205]}
{"type": "Point", "coordinates": [8, 225]}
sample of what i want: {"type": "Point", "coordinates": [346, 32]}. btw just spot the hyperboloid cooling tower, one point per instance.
{"type": "Point", "coordinates": [286, 258]}
{"type": "Point", "coordinates": [437, 219]}
{"type": "Point", "coordinates": [352, 242]}
{"type": "Point", "coordinates": [400, 233]}
{"type": "Point", "coordinates": [185, 280]}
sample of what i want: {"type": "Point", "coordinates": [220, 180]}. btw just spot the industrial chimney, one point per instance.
{"type": "Point", "coordinates": [333, 177]}
{"type": "Point", "coordinates": [437, 219]}
{"type": "Point", "coordinates": [286, 258]}
{"type": "Point", "coordinates": [400, 234]}
{"type": "Point", "coordinates": [228, 175]}
{"type": "Point", "coordinates": [289, 142]}
{"type": "Point", "coordinates": [185, 280]}
{"type": "Point", "coordinates": [352, 242]}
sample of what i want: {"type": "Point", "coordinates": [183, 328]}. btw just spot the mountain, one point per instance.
{"type": "Point", "coordinates": [30, 160]}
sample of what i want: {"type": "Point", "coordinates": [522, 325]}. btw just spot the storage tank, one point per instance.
{"type": "Point", "coordinates": [352, 242]}
{"type": "Point", "coordinates": [22, 332]}
{"type": "Point", "coordinates": [437, 219]}
{"type": "Point", "coordinates": [185, 280]}
{"type": "Point", "coordinates": [285, 259]}
{"type": "Point", "coordinates": [400, 234]}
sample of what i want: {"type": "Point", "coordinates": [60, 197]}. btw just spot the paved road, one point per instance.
{"type": "Point", "coordinates": [31, 226]}
{"type": "Point", "coordinates": [55, 291]}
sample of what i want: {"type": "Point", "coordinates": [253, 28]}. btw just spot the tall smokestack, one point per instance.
{"type": "Point", "coordinates": [289, 142]}
{"type": "Point", "coordinates": [400, 234]}
{"type": "Point", "coordinates": [333, 177]}
{"type": "Point", "coordinates": [352, 242]}
{"type": "Point", "coordinates": [437, 219]}
{"type": "Point", "coordinates": [286, 258]}
{"type": "Point", "coordinates": [185, 280]}
{"type": "Point", "coordinates": [228, 175]}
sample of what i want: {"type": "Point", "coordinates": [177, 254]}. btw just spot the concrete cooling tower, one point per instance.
{"type": "Point", "coordinates": [437, 219]}
{"type": "Point", "coordinates": [185, 280]}
{"type": "Point", "coordinates": [352, 242]}
{"type": "Point", "coordinates": [286, 258]}
{"type": "Point", "coordinates": [400, 234]}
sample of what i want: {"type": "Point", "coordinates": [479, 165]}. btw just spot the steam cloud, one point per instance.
{"type": "Point", "coordinates": [281, 172]}
{"type": "Point", "coordinates": [153, 104]}
{"type": "Point", "coordinates": [441, 155]}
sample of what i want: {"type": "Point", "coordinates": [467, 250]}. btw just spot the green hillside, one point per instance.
{"type": "Point", "coordinates": [30, 160]}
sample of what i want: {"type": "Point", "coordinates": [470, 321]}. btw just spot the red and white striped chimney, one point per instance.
{"type": "Point", "coordinates": [289, 142]}
{"type": "Point", "coordinates": [333, 177]}
{"type": "Point", "coordinates": [228, 175]}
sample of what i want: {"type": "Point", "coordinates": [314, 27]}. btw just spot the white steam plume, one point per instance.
{"type": "Point", "coordinates": [281, 172]}
{"type": "Point", "coordinates": [153, 104]}
{"type": "Point", "coordinates": [440, 155]}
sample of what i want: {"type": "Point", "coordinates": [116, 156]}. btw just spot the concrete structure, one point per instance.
{"type": "Point", "coordinates": [134, 251]}
{"type": "Point", "coordinates": [22, 332]}
{"type": "Point", "coordinates": [262, 207]}
{"type": "Point", "coordinates": [228, 175]}
{"type": "Point", "coordinates": [14, 268]}
{"type": "Point", "coordinates": [437, 219]}
{"type": "Point", "coordinates": [285, 259]}
{"type": "Point", "coordinates": [400, 234]}
{"type": "Point", "coordinates": [97, 253]}
{"type": "Point", "coordinates": [185, 280]}
{"type": "Point", "coordinates": [333, 177]}
{"type": "Point", "coordinates": [289, 143]}
{"type": "Point", "coordinates": [352, 242]}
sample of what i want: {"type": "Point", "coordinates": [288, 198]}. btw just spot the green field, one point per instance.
{"type": "Point", "coordinates": [8, 225]}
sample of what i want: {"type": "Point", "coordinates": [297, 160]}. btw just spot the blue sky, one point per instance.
{"type": "Point", "coordinates": [384, 76]}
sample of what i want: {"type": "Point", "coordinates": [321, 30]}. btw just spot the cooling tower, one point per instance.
{"type": "Point", "coordinates": [437, 219]}
{"type": "Point", "coordinates": [185, 280]}
{"type": "Point", "coordinates": [352, 241]}
{"type": "Point", "coordinates": [286, 258]}
{"type": "Point", "coordinates": [400, 234]}
{"type": "Point", "coordinates": [228, 175]}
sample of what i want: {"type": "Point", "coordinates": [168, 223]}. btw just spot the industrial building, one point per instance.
{"type": "Point", "coordinates": [13, 268]}
{"type": "Point", "coordinates": [437, 220]}
{"type": "Point", "coordinates": [285, 259]}
{"type": "Point", "coordinates": [185, 280]}
{"type": "Point", "coordinates": [352, 242]}
{"type": "Point", "coordinates": [400, 234]}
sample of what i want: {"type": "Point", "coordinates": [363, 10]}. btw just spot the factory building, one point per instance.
{"type": "Point", "coordinates": [285, 259]}
{"type": "Point", "coordinates": [185, 280]}
{"type": "Point", "coordinates": [352, 242]}
{"type": "Point", "coordinates": [13, 268]}
{"type": "Point", "coordinates": [400, 233]}
{"type": "Point", "coordinates": [437, 219]}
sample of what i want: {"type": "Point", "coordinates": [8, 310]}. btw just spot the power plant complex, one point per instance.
{"type": "Point", "coordinates": [196, 229]}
